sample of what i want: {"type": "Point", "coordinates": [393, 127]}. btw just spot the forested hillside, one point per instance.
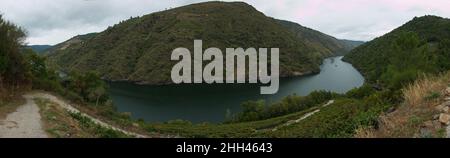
{"type": "Point", "coordinates": [139, 48]}
{"type": "Point", "coordinates": [319, 40]}
{"type": "Point", "coordinates": [420, 46]}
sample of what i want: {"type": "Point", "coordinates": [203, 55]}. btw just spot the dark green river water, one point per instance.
{"type": "Point", "coordinates": [209, 103]}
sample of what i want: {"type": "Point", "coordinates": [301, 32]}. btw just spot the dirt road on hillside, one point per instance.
{"type": "Point", "coordinates": [26, 121]}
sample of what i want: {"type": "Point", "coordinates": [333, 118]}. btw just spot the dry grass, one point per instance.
{"type": "Point", "coordinates": [365, 133]}
{"type": "Point", "coordinates": [426, 89]}
{"type": "Point", "coordinates": [414, 118]}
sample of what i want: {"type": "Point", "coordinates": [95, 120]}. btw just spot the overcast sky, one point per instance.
{"type": "Point", "coordinates": [54, 21]}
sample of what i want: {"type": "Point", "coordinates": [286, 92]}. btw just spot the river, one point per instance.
{"type": "Point", "coordinates": [209, 103]}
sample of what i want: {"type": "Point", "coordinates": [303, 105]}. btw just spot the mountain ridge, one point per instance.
{"type": "Point", "coordinates": [139, 48]}
{"type": "Point", "coordinates": [319, 39]}
{"type": "Point", "coordinates": [420, 46]}
{"type": "Point", "coordinates": [39, 48]}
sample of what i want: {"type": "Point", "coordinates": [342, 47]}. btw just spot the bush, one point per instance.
{"type": "Point", "coordinates": [179, 122]}
{"type": "Point", "coordinates": [361, 92]}
{"type": "Point", "coordinates": [88, 86]}
{"type": "Point", "coordinates": [258, 110]}
{"type": "Point", "coordinates": [14, 71]}
{"type": "Point", "coordinates": [100, 131]}
{"type": "Point", "coordinates": [72, 96]}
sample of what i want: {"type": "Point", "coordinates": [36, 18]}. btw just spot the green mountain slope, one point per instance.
{"type": "Point", "coordinates": [39, 48]}
{"type": "Point", "coordinates": [72, 41]}
{"type": "Point", "coordinates": [420, 46]}
{"type": "Point", "coordinates": [139, 49]}
{"type": "Point", "coordinates": [319, 40]}
{"type": "Point", "coordinates": [350, 44]}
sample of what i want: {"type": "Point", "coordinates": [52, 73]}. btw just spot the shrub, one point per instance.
{"type": "Point", "coordinates": [100, 131]}
{"type": "Point", "coordinates": [72, 96]}
{"type": "Point", "coordinates": [259, 110]}
{"type": "Point", "coordinates": [360, 93]}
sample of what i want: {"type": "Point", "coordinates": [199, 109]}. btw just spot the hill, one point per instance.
{"type": "Point", "coordinates": [139, 48]}
{"type": "Point", "coordinates": [351, 44]}
{"type": "Point", "coordinates": [420, 46]}
{"type": "Point", "coordinates": [39, 48]}
{"type": "Point", "coordinates": [72, 41]}
{"type": "Point", "coordinates": [319, 40]}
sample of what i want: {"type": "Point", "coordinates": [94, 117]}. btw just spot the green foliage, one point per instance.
{"type": "Point", "coordinates": [361, 92]}
{"type": "Point", "coordinates": [13, 68]}
{"type": "Point", "coordinates": [230, 130]}
{"type": "Point", "coordinates": [333, 121]}
{"type": "Point", "coordinates": [252, 110]}
{"type": "Point", "coordinates": [397, 58]}
{"type": "Point", "coordinates": [179, 122]}
{"type": "Point", "coordinates": [340, 119]}
{"type": "Point", "coordinates": [99, 131]}
{"type": "Point", "coordinates": [327, 44]}
{"type": "Point", "coordinates": [21, 67]}
{"type": "Point", "coordinates": [432, 95]}
{"type": "Point", "coordinates": [140, 48]}
{"type": "Point", "coordinates": [40, 49]}
{"type": "Point", "coordinates": [79, 87]}
{"type": "Point", "coordinates": [72, 96]}
{"type": "Point", "coordinates": [42, 77]}
{"type": "Point", "coordinates": [258, 110]}
{"type": "Point", "coordinates": [88, 86]}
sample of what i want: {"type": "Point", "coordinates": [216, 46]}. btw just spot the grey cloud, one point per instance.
{"type": "Point", "coordinates": [53, 21]}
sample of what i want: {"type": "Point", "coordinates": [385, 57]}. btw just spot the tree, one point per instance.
{"type": "Point", "coordinates": [13, 69]}
{"type": "Point", "coordinates": [99, 92]}
{"type": "Point", "coordinates": [228, 115]}
{"type": "Point", "coordinates": [89, 86]}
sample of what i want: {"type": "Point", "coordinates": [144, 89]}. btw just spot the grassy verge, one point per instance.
{"type": "Point", "coordinates": [60, 123]}
{"type": "Point", "coordinates": [109, 115]}
{"type": "Point", "coordinates": [98, 131]}
{"type": "Point", "coordinates": [57, 121]}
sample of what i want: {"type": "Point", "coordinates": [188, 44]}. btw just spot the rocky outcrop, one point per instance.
{"type": "Point", "coordinates": [444, 116]}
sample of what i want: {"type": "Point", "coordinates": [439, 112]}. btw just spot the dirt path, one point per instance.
{"type": "Point", "coordinates": [70, 108]}
{"type": "Point", "coordinates": [24, 123]}
{"type": "Point", "coordinates": [303, 117]}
